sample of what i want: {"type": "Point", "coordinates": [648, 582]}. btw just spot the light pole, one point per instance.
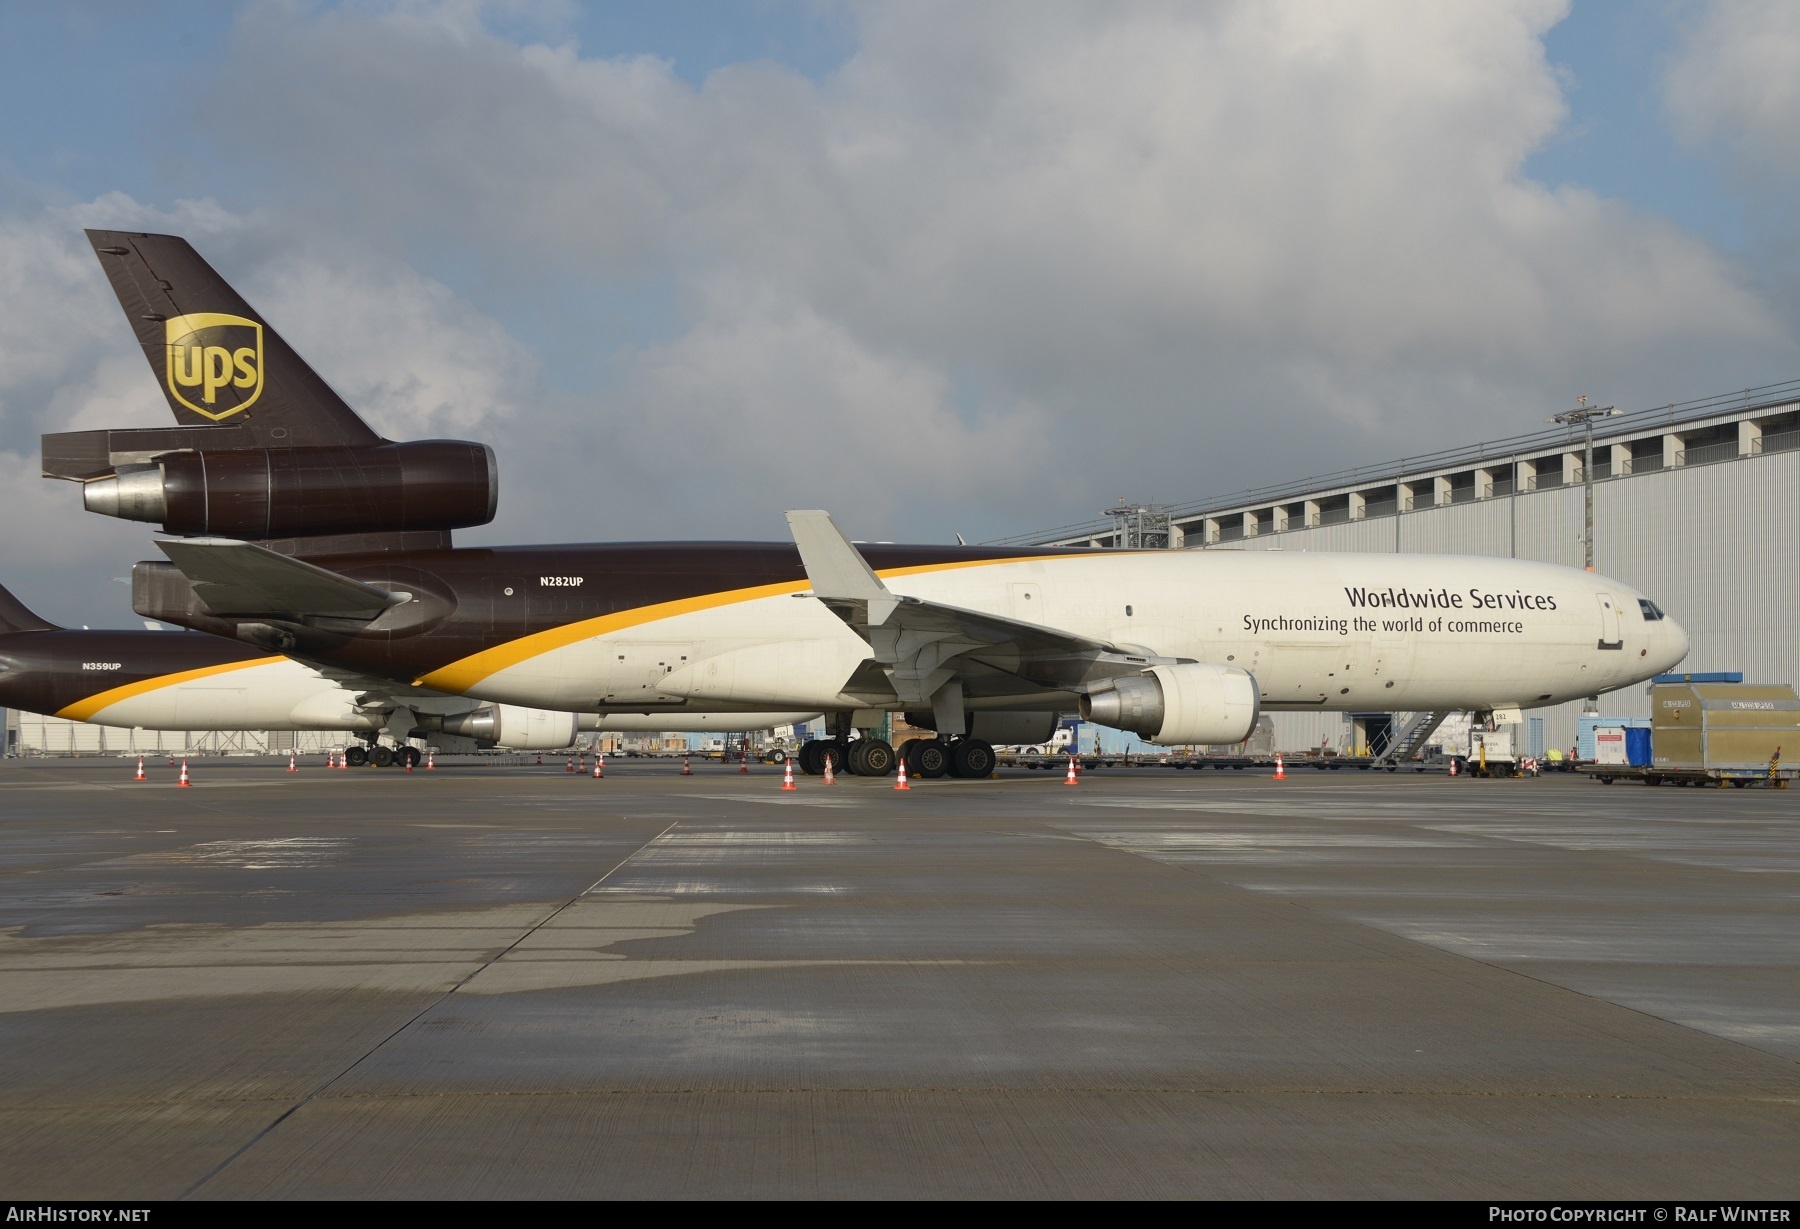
{"type": "Point", "coordinates": [1585, 414]}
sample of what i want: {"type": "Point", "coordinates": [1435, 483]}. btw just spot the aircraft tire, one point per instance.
{"type": "Point", "coordinates": [808, 758]}
{"type": "Point", "coordinates": [927, 758]}
{"type": "Point", "coordinates": [877, 758]}
{"type": "Point", "coordinates": [410, 757]}
{"type": "Point", "coordinates": [972, 758]}
{"type": "Point", "coordinates": [356, 757]}
{"type": "Point", "coordinates": [382, 757]}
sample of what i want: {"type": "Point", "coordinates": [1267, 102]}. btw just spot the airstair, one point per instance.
{"type": "Point", "coordinates": [1410, 741]}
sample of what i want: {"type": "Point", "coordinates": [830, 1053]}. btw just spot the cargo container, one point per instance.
{"type": "Point", "coordinates": [1714, 733]}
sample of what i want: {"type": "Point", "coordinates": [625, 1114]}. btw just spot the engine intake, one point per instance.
{"type": "Point", "coordinates": [1195, 702]}
{"type": "Point", "coordinates": [299, 492]}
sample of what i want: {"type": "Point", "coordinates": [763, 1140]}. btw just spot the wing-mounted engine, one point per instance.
{"type": "Point", "coordinates": [513, 727]}
{"type": "Point", "coordinates": [1188, 703]}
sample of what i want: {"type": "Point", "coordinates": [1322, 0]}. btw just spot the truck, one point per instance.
{"type": "Point", "coordinates": [1705, 733]}
{"type": "Point", "coordinates": [1493, 753]}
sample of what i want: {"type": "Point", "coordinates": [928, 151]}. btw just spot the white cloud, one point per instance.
{"type": "Point", "coordinates": [1010, 261]}
{"type": "Point", "coordinates": [1165, 233]}
{"type": "Point", "coordinates": [1734, 86]}
{"type": "Point", "coordinates": [411, 357]}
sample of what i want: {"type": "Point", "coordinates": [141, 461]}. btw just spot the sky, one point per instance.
{"type": "Point", "coordinates": [938, 267]}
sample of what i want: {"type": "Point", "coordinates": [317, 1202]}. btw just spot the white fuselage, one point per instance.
{"type": "Point", "coordinates": [280, 694]}
{"type": "Point", "coordinates": [1318, 631]}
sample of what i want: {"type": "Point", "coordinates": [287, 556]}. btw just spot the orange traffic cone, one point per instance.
{"type": "Point", "coordinates": [569, 764]}
{"type": "Point", "coordinates": [140, 772]}
{"type": "Point", "coordinates": [1453, 765]}
{"type": "Point", "coordinates": [292, 766]}
{"type": "Point", "coordinates": [599, 766]}
{"type": "Point", "coordinates": [787, 779]}
{"type": "Point", "coordinates": [1070, 779]}
{"type": "Point", "coordinates": [184, 783]}
{"type": "Point", "coordinates": [744, 763]}
{"type": "Point", "coordinates": [406, 758]}
{"type": "Point", "coordinates": [1280, 771]}
{"type": "Point", "coordinates": [830, 777]}
{"type": "Point", "coordinates": [901, 783]}
{"type": "Point", "coordinates": [540, 762]}
{"type": "Point", "coordinates": [431, 758]}
{"type": "Point", "coordinates": [687, 766]}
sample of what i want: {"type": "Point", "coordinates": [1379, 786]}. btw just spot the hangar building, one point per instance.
{"type": "Point", "coordinates": [1697, 505]}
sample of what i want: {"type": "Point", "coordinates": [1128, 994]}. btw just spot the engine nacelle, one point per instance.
{"type": "Point", "coordinates": [1196, 702]}
{"type": "Point", "coordinates": [520, 729]}
{"type": "Point", "coordinates": [299, 492]}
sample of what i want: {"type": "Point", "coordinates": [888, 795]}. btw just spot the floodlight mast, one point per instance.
{"type": "Point", "coordinates": [1585, 414]}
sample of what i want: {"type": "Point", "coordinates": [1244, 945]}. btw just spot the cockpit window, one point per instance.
{"type": "Point", "coordinates": [1652, 612]}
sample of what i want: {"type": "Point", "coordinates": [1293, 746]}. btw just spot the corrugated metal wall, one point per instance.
{"type": "Point", "coordinates": [1717, 546]}
{"type": "Point", "coordinates": [40, 735]}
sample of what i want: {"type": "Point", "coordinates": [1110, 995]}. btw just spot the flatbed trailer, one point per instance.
{"type": "Point", "coordinates": [1741, 778]}
{"type": "Point", "coordinates": [1059, 762]}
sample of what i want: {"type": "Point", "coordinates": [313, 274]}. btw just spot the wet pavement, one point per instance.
{"type": "Point", "coordinates": [495, 981]}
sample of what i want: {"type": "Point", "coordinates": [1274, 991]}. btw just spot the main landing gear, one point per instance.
{"type": "Point", "coordinates": [383, 756]}
{"type": "Point", "coordinates": [926, 758]}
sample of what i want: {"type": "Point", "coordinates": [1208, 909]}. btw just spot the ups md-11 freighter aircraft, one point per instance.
{"type": "Point", "coordinates": [154, 680]}
{"type": "Point", "coordinates": [302, 531]}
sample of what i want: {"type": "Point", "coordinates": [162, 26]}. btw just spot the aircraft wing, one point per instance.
{"type": "Point", "coordinates": [239, 579]}
{"type": "Point", "coordinates": [923, 646]}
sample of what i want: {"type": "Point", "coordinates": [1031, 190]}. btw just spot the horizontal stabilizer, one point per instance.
{"type": "Point", "coordinates": [81, 455]}
{"type": "Point", "coordinates": [15, 617]}
{"type": "Point", "coordinates": [239, 579]}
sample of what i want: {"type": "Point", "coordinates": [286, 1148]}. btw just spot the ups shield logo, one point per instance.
{"type": "Point", "coordinates": [215, 362]}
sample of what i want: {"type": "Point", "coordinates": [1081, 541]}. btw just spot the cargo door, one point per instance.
{"type": "Point", "coordinates": [1611, 637]}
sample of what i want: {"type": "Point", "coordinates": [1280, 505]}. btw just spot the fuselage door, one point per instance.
{"type": "Point", "coordinates": [1611, 637]}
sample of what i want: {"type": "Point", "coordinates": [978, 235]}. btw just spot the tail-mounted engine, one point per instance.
{"type": "Point", "coordinates": [291, 492]}
{"type": "Point", "coordinates": [1190, 703]}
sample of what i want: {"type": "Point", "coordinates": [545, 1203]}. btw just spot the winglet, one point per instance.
{"type": "Point", "coordinates": [835, 567]}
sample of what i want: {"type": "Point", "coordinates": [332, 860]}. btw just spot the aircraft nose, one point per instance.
{"type": "Point", "coordinates": [1671, 645]}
